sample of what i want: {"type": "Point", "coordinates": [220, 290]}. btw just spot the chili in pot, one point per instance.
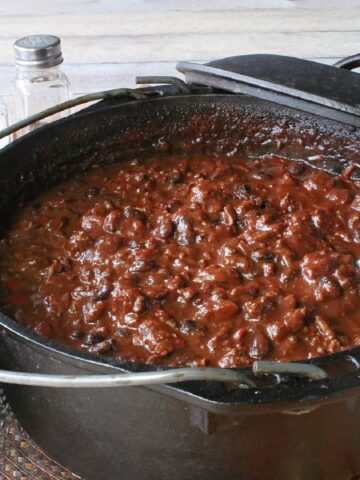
{"type": "Point", "coordinates": [190, 261]}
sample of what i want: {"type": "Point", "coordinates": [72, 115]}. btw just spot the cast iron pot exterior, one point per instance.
{"type": "Point", "coordinates": [282, 429]}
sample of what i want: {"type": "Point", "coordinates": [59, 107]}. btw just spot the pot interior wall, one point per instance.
{"type": "Point", "coordinates": [216, 124]}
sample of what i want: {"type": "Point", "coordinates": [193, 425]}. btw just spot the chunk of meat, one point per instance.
{"type": "Point", "coordinates": [216, 310]}
{"type": "Point", "coordinates": [255, 309]}
{"type": "Point", "coordinates": [157, 338]}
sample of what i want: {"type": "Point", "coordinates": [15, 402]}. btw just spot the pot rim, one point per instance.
{"type": "Point", "coordinates": [283, 390]}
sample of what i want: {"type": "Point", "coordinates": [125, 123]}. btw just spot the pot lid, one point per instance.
{"type": "Point", "coordinates": [312, 87]}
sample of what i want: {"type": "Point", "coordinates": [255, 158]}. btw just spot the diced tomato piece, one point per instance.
{"type": "Point", "coordinates": [12, 283]}
{"type": "Point", "coordinates": [17, 299]}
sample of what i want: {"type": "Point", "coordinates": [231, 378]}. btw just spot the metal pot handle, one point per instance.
{"type": "Point", "coordinates": [90, 97]}
{"type": "Point", "coordinates": [135, 94]}
{"type": "Point", "coordinates": [126, 379]}
{"type": "Point", "coordinates": [349, 63]}
{"type": "Point", "coordinates": [163, 376]}
{"type": "Point", "coordinates": [305, 370]}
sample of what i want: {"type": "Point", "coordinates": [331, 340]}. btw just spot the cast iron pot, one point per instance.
{"type": "Point", "coordinates": [281, 428]}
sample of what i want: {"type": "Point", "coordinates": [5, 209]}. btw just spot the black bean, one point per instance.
{"type": "Point", "coordinates": [103, 293]}
{"type": "Point", "coordinates": [143, 265]}
{"type": "Point", "coordinates": [260, 346]}
{"type": "Point", "coordinates": [242, 191]}
{"type": "Point", "coordinates": [139, 266]}
{"type": "Point", "coordinates": [99, 348]}
{"type": "Point", "coordinates": [185, 232]}
{"type": "Point", "coordinates": [92, 192]}
{"type": "Point", "coordinates": [136, 213]}
{"type": "Point", "coordinates": [134, 245]}
{"type": "Point", "coordinates": [152, 264]}
{"type": "Point", "coordinates": [175, 177]}
{"type": "Point", "coordinates": [122, 332]}
{"type": "Point", "coordinates": [141, 176]}
{"type": "Point", "coordinates": [258, 255]}
{"type": "Point", "coordinates": [77, 334]}
{"type": "Point", "coordinates": [189, 327]}
{"type": "Point", "coordinates": [265, 204]}
{"type": "Point", "coordinates": [296, 168]}
{"type": "Point", "coordinates": [140, 304]}
{"type": "Point", "coordinates": [92, 339]}
{"type": "Point", "coordinates": [159, 296]}
{"type": "Point", "coordinates": [165, 227]}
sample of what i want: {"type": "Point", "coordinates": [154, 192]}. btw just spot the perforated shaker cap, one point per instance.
{"type": "Point", "coordinates": [38, 51]}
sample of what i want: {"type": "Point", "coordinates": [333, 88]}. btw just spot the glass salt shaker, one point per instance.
{"type": "Point", "coordinates": [3, 124]}
{"type": "Point", "coordinates": [40, 82]}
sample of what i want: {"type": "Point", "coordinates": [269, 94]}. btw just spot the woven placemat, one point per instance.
{"type": "Point", "coordinates": [20, 458]}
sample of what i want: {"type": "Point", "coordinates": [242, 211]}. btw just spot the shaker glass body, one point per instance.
{"type": "Point", "coordinates": [37, 89]}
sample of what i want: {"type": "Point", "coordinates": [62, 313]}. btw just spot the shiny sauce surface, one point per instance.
{"type": "Point", "coordinates": [190, 261]}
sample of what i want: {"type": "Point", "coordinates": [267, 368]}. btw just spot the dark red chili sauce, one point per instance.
{"type": "Point", "coordinates": [203, 261]}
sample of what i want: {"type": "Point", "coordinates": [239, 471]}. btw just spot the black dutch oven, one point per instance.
{"type": "Point", "coordinates": [216, 424]}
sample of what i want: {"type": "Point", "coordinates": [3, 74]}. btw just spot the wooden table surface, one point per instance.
{"type": "Point", "coordinates": [107, 42]}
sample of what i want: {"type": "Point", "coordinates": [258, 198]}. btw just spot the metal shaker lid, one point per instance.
{"type": "Point", "coordinates": [38, 51]}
